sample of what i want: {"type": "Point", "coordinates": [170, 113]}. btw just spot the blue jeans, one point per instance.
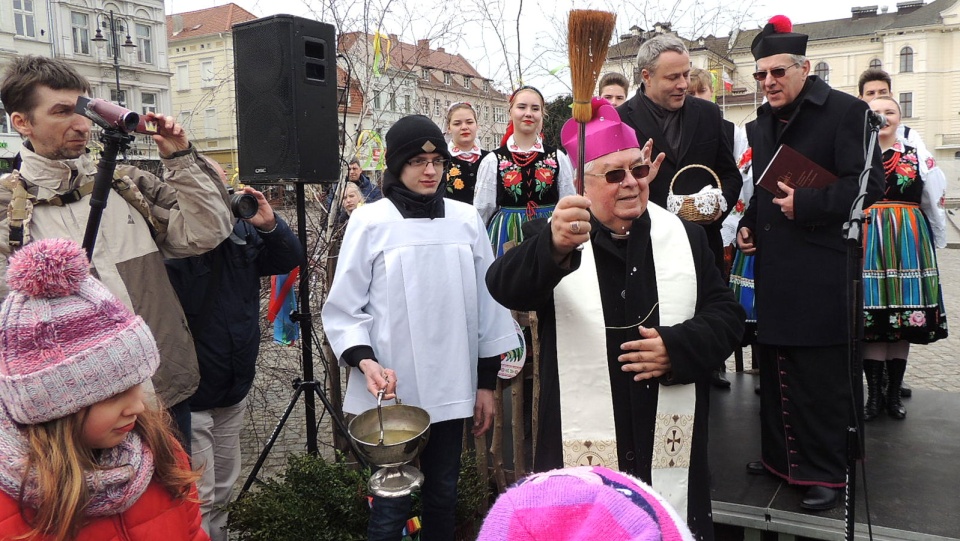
{"type": "Point", "coordinates": [440, 464]}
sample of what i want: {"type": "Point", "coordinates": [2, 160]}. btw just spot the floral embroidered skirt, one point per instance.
{"type": "Point", "coordinates": [902, 299]}
{"type": "Point", "coordinates": [505, 226]}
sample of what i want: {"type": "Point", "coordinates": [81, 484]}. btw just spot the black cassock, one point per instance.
{"type": "Point", "coordinates": [524, 279]}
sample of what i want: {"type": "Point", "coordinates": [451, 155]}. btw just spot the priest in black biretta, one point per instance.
{"type": "Point", "coordinates": [806, 390]}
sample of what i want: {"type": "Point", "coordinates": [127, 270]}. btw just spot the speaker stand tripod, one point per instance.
{"type": "Point", "coordinates": [306, 386]}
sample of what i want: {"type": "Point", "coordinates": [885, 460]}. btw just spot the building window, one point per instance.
{"type": "Point", "coordinates": [447, 78]}
{"type": "Point", "coordinates": [343, 97]}
{"type": "Point", "coordinates": [486, 113]}
{"type": "Point", "coordinates": [144, 44]}
{"type": "Point", "coordinates": [183, 77]}
{"type": "Point", "coordinates": [822, 71]}
{"type": "Point", "coordinates": [425, 73]}
{"type": "Point", "coordinates": [148, 102]}
{"type": "Point", "coordinates": [206, 73]}
{"type": "Point", "coordinates": [426, 106]}
{"type": "Point", "coordinates": [486, 85]}
{"type": "Point", "coordinates": [906, 104]}
{"type": "Point", "coordinates": [81, 32]}
{"type": "Point", "coordinates": [876, 64]}
{"type": "Point", "coordinates": [406, 104]}
{"type": "Point", "coordinates": [906, 60]}
{"type": "Point", "coordinates": [185, 119]}
{"type": "Point", "coordinates": [376, 101]}
{"type": "Point", "coordinates": [23, 18]}
{"type": "Point", "coordinates": [120, 98]}
{"type": "Point", "coordinates": [499, 114]}
{"type": "Point", "coordinates": [436, 107]}
{"type": "Point", "coordinates": [210, 124]}
{"type": "Point", "coordinates": [467, 82]}
{"type": "Point", "coordinates": [393, 101]}
{"type": "Point", "coordinates": [4, 121]}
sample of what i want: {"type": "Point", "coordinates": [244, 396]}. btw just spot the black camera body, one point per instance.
{"type": "Point", "coordinates": [243, 205]}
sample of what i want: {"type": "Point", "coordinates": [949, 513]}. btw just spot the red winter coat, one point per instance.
{"type": "Point", "coordinates": [155, 517]}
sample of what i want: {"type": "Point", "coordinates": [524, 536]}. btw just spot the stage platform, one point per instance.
{"type": "Point", "coordinates": [912, 472]}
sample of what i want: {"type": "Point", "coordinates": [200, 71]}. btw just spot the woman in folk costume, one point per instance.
{"type": "Point", "coordinates": [903, 302]}
{"type": "Point", "coordinates": [524, 178]}
{"type": "Point", "coordinates": [465, 153]}
{"type": "Point", "coordinates": [631, 326]}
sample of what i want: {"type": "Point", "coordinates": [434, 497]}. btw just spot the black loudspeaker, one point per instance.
{"type": "Point", "coordinates": [285, 70]}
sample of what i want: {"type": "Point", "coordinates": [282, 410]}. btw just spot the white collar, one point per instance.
{"type": "Point", "coordinates": [513, 147]}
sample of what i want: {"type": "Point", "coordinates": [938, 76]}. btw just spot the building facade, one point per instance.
{"type": "Point", "coordinates": [397, 79]}
{"type": "Point", "coordinates": [83, 32]}
{"type": "Point", "coordinates": [913, 41]}
{"type": "Point", "coordinates": [202, 83]}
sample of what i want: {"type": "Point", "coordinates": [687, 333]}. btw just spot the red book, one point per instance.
{"type": "Point", "coordinates": [795, 170]}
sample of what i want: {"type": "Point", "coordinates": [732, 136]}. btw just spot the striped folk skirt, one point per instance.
{"type": "Point", "coordinates": [505, 226]}
{"type": "Point", "coordinates": [902, 299]}
{"type": "Point", "coordinates": [741, 282]}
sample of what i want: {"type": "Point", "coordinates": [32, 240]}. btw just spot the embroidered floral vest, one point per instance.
{"type": "Point", "coordinates": [462, 178]}
{"type": "Point", "coordinates": [903, 180]}
{"type": "Point", "coordinates": [534, 183]}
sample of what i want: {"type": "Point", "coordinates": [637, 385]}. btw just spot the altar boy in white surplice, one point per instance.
{"type": "Point", "coordinates": [410, 313]}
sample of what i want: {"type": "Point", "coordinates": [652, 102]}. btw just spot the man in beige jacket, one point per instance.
{"type": "Point", "coordinates": [185, 213]}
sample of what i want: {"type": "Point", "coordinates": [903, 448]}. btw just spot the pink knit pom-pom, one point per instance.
{"type": "Point", "coordinates": [48, 268]}
{"type": "Point", "coordinates": [781, 24]}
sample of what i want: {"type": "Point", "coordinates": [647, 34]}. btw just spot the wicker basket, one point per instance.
{"type": "Point", "coordinates": [699, 208]}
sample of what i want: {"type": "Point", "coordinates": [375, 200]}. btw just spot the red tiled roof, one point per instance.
{"type": "Point", "coordinates": [204, 22]}
{"type": "Point", "coordinates": [408, 55]}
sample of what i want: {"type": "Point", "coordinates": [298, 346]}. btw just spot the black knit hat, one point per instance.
{"type": "Point", "coordinates": [410, 136]}
{"type": "Point", "coordinates": [777, 37]}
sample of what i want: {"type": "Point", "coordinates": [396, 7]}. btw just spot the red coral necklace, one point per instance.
{"type": "Point", "coordinates": [891, 164]}
{"type": "Point", "coordinates": [523, 159]}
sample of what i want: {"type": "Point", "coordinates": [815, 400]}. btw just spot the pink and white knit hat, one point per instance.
{"type": "Point", "coordinates": [587, 503]}
{"type": "Point", "coordinates": [65, 341]}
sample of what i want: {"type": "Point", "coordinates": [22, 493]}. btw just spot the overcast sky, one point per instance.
{"type": "Point", "coordinates": [539, 23]}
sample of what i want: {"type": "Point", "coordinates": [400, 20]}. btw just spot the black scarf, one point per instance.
{"type": "Point", "coordinates": [670, 122]}
{"type": "Point", "coordinates": [785, 113]}
{"type": "Point", "coordinates": [410, 204]}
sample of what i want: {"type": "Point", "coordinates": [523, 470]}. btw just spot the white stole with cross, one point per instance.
{"type": "Point", "coordinates": [586, 405]}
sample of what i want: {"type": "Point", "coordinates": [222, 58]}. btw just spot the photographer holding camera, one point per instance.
{"type": "Point", "coordinates": [184, 214]}
{"type": "Point", "coordinates": [220, 293]}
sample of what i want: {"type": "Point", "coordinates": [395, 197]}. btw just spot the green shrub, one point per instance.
{"type": "Point", "coordinates": [315, 500]}
{"type": "Point", "coordinates": [312, 500]}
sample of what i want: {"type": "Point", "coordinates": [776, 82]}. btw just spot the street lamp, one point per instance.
{"type": "Point", "coordinates": [115, 25]}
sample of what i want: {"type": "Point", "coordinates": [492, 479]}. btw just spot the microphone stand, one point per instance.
{"type": "Point", "coordinates": [113, 142]}
{"type": "Point", "coordinates": [853, 237]}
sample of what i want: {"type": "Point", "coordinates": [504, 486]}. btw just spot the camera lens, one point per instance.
{"type": "Point", "coordinates": [243, 205]}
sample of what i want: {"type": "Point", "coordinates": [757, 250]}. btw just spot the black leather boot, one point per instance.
{"type": "Point", "coordinates": [874, 372]}
{"type": "Point", "coordinates": [895, 371]}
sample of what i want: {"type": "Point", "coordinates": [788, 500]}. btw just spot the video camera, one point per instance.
{"type": "Point", "coordinates": [111, 116]}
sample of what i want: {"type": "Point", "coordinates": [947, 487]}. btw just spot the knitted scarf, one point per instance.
{"type": "Point", "coordinates": [122, 476]}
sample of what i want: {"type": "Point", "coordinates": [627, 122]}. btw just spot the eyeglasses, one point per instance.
{"type": "Point", "coordinates": [614, 176]}
{"type": "Point", "coordinates": [421, 163]}
{"type": "Point", "coordinates": [776, 72]}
